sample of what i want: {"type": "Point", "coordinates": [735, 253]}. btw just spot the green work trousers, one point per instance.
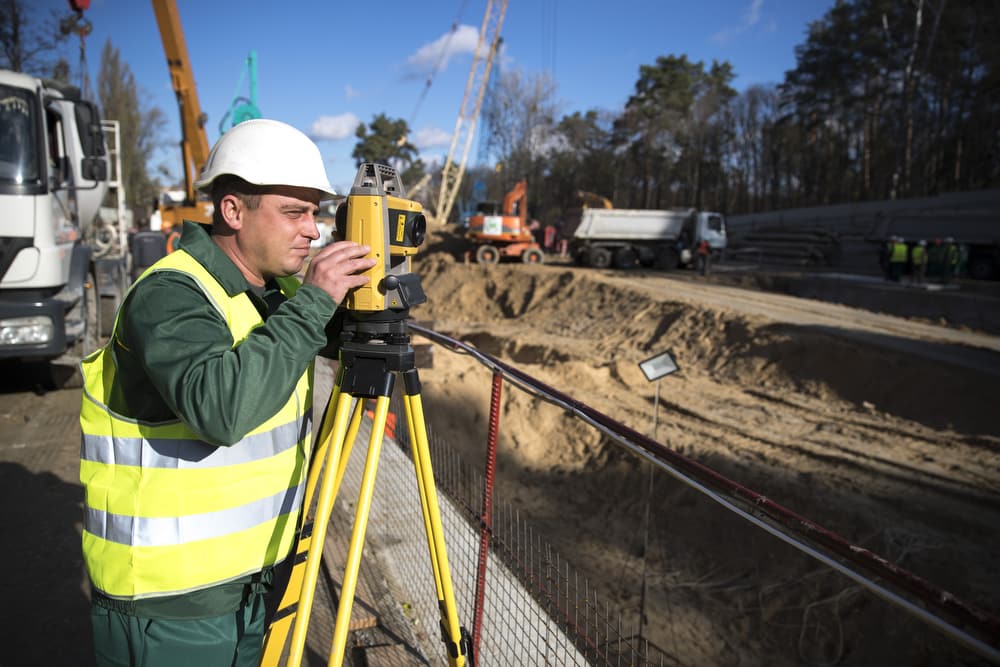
{"type": "Point", "coordinates": [234, 639]}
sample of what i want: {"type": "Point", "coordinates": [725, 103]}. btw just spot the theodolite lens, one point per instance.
{"type": "Point", "coordinates": [418, 229]}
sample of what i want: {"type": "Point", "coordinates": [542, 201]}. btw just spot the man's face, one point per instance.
{"type": "Point", "coordinates": [275, 237]}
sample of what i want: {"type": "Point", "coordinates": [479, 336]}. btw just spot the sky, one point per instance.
{"type": "Point", "coordinates": [325, 66]}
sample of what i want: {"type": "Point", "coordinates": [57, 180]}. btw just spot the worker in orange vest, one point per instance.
{"type": "Point", "coordinates": [704, 257]}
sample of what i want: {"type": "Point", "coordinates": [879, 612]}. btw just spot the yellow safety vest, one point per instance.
{"type": "Point", "coordinates": [167, 513]}
{"type": "Point", "coordinates": [898, 253]}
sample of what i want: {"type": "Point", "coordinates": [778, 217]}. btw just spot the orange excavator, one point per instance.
{"type": "Point", "coordinates": [504, 232]}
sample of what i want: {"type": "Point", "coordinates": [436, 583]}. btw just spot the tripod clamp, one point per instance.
{"type": "Point", "coordinates": [371, 351]}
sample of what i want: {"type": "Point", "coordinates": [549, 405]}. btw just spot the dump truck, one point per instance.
{"type": "Point", "coordinates": [503, 232]}
{"type": "Point", "coordinates": [661, 239]}
{"type": "Point", "coordinates": [59, 272]}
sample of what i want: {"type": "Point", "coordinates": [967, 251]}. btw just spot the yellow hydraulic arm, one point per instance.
{"type": "Point", "coordinates": [194, 140]}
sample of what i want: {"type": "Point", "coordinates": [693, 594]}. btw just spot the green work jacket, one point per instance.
{"type": "Point", "coordinates": [174, 355]}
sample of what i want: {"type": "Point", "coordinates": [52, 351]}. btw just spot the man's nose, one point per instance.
{"type": "Point", "coordinates": [311, 227]}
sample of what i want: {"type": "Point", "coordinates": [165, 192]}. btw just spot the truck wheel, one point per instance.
{"type": "Point", "coordinates": [600, 258]}
{"type": "Point", "coordinates": [666, 260]}
{"type": "Point", "coordinates": [487, 254]}
{"type": "Point", "coordinates": [108, 312]}
{"type": "Point", "coordinates": [532, 256]}
{"type": "Point", "coordinates": [625, 258]}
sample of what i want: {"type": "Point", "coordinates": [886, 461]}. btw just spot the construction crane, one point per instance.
{"type": "Point", "coordinates": [194, 140]}
{"type": "Point", "coordinates": [243, 108]}
{"type": "Point", "coordinates": [465, 126]}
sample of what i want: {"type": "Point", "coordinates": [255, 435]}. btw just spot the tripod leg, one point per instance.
{"type": "Point", "coordinates": [323, 446]}
{"type": "Point", "coordinates": [281, 624]}
{"type": "Point", "coordinates": [421, 487]}
{"type": "Point", "coordinates": [453, 635]}
{"type": "Point", "coordinates": [323, 508]}
{"type": "Point", "coordinates": [324, 442]}
{"type": "Point", "coordinates": [339, 644]}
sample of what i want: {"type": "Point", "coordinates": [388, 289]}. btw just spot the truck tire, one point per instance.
{"type": "Point", "coordinates": [487, 254]}
{"type": "Point", "coordinates": [666, 260]}
{"type": "Point", "coordinates": [626, 259]}
{"type": "Point", "coordinates": [532, 256]}
{"type": "Point", "coordinates": [599, 258]}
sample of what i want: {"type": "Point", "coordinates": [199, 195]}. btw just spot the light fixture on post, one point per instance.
{"type": "Point", "coordinates": [654, 368]}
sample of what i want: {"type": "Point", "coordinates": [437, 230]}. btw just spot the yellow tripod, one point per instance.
{"type": "Point", "coordinates": [372, 353]}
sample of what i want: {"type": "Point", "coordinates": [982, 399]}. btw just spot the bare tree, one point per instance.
{"type": "Point", "coordinates": [522, 121]}
{"type": "Point", "coordinates": [30, 41]}
{"type": "Point", "coordinates": [140, 127]}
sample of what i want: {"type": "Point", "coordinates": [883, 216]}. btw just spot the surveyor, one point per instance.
{"type": "Point", "coordinates": [196, 416]}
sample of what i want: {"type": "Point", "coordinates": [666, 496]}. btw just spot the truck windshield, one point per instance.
{"type": "Point", "coordinates": [19, 163]}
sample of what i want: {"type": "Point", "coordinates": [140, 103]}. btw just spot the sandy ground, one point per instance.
{"type": "Point", "coordinates": [879, 428]}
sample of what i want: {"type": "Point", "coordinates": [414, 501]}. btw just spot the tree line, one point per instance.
{"type": "Point", "coordinates": [887, 100]}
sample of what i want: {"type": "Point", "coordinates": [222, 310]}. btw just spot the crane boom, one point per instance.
{"type": "Point", "coordinates": [194, 140]}
{"type": "Point", "coordinates": [479, 74]}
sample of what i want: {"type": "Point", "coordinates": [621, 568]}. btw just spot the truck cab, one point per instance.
{"type": "Point", "coordinates": [711, 227]}
{"type": "Point", "coordinates": [53, 178]}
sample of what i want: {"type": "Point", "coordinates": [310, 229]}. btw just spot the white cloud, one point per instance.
{"type": "Point", "coordinates": [431, 137]}
{"type": "Point", "coordinates": [435, 55]}
{"type": "Point", "coordinates": [334, 127]}
{"type": "Point", "coordinates": [750, 18]}
{"type": "Point", "coordinates": [350, 92]}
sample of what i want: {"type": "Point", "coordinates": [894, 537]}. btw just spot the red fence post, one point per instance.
{"type": "Point", "coordinates": [486, 516]}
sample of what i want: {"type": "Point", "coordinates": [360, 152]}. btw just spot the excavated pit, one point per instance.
{"type": "Point", "coordinates": [894, 452]}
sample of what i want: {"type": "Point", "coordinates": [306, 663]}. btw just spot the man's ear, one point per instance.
{"type": "Point", "coordinates": [231, 209]}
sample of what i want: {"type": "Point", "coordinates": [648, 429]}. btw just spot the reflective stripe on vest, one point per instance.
{"type": "Point", "coordinates": [165, 512]}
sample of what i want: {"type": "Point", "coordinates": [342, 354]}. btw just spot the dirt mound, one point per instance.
{"type": "Point", "coordinates": [892, 452]}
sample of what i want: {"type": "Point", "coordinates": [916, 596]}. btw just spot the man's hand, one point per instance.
{"type": "Point", "coordinates": [335, 269]}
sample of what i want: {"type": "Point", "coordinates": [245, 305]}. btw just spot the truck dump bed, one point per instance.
{"type": "Point", "coordinates": [631, 224]}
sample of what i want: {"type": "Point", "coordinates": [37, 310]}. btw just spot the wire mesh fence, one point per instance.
{"type": "Point", "coordinates": [537, 610]}
{"type": "Point", "coordinates": [722, 591]}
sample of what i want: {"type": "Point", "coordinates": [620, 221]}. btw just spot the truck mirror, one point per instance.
{"type": "Point", "coordinates": [94, 169]}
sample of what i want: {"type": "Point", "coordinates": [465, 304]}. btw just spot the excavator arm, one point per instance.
{"type": "Point", "coordinates": [515, 203]}
{"type": "Point", "coordinates": [592, 200]}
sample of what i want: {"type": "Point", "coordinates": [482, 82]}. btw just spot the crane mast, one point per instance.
{"type": "Point", "coordinates": [465, 126]}
{"type": "Point", "coordinates": [194, 140]}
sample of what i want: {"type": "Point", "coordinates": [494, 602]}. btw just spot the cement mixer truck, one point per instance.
{"type": "Point", "coordinates": [57, 275]}
{"type": "Point", "coordinates": [660, 239]}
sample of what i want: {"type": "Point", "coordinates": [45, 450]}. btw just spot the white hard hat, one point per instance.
{"type": "Point", "coordinates": [266, 152]}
